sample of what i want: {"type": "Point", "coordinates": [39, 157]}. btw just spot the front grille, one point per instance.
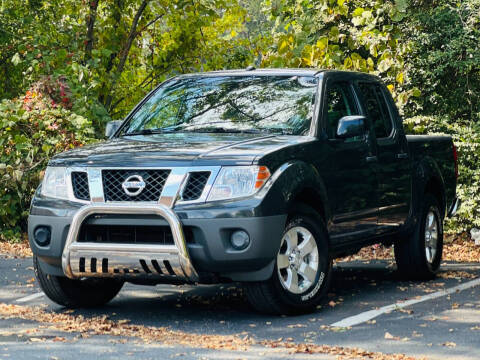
{"type": "Point", "coordinates": [122, 234]}
{"type": "Point", "coordinates": [80, 185]}
{"type": "Point", "coordinates": [195, 184]}
{"type": "Point", "coordinates": [154, 182]}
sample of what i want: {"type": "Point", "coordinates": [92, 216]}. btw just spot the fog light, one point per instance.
{"type": "Point", "coordinates": [240, 239]}
{"type": "Point", "coordinates": [42, 235]}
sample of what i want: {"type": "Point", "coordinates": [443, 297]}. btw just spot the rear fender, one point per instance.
{"type": "Point", "coordinates": [427, 171]}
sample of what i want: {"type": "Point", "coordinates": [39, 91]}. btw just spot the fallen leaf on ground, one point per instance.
{"type": "Point", "coordinates": [459, 248]}
{"type": "Point", "coordinates": [19, 250]}
{"type": "Point", "coordinates": [87, 326]}
{"type": "Point", "coordinates": [449, 344]}
{"type": "Point", "coordinates": [389, 336]}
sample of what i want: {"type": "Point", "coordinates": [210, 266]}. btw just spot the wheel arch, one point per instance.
{"type": "Point", "coordinates": [435, 187]}
{"type": "Point", "coordinates": [294, 182]}
{"type": "Point", "coordinates": [309, 196]}
{"type": "Point", "coordinates": [429, 180]}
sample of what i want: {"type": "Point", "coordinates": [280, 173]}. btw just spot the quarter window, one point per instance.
{"type": "Point", "coordinates": [377, 109]}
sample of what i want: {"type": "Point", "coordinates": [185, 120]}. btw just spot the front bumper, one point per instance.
{"type": "Point", "coordinates": [80, 259]}
{"type": "Point", "coordinates": [208, 256]}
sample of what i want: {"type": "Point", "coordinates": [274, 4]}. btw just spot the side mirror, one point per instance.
{"type": "Point", "coordinates": [112, 127]}
{"type": "Point", "coordinates": [351, 126]}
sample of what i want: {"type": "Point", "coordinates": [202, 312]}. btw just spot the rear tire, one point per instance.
{"type": "Point", "coordinates": [302, 271]}
{"type": "Point", "coordinates": [419, 255]}
{"type": "Point", "coordinates": [76, 293]}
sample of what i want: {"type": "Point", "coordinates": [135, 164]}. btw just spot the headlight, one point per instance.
{"type": "Point", "coordinates": [55, 183]}
{"type": "Point", "coordinates": [238, 181]}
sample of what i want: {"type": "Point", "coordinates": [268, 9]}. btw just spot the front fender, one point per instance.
{"type": "Point", "coordinates": [289, 182]}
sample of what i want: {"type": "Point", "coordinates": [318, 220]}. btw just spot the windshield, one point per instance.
{"type": "Point", "coordinates": [270, 104]}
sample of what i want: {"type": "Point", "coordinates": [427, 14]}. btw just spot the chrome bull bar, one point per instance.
{"type": "Point", "coordinates": [89, 259]}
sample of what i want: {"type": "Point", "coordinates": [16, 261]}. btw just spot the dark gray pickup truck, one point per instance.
{"type": "Point", "coordinates": [253, 176]}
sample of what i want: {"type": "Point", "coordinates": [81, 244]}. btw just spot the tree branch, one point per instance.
{"type": "Point", "coordinates": [149, 23]}
{"type": "Point", "coordinates": [126, 48]}
{"type": "Point", "coordinates": [131, 36]}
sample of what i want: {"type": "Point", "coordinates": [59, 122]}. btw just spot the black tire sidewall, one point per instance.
{"type": "Point", "coordinates": [75, 293]}
{"type": "Point", "coordinates": [318, 289]}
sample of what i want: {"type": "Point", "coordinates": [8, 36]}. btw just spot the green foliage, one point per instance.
{"type": "Point", "coordinates": [466, 136]}
{"type": "Point", "coordinates": [107, 55]}
{"type": "Point", "coordinates": [444, 61]}
{"type": "Point", "coordinates": [112, 53]}
{"type": "Point", "coordinates": [360, 35]}
{"type": "Point", "coordinates": [32, 129]}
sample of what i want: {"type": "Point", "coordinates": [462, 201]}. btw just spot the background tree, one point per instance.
{"type": "Point", "coordinates": [96, 59]}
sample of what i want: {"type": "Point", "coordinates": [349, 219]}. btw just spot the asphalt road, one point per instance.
{"type": "Point", "coordinates": [438, 326]}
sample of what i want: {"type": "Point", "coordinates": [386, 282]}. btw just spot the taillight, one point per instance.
{"type": "Point", "coordinates": [455, 159]}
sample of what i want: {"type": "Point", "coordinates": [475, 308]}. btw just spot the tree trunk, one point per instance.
{"type": "Point", "coordinates": [117, 17]}
{"type": "Point", "coordinates": [92, 15]}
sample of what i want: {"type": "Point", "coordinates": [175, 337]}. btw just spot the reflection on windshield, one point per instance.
{"type": "Point", "coordinates": [270, 104]}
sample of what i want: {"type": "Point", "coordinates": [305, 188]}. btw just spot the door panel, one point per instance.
{"type": "Point", "coordinates": [394, 185]}
{"type": "Point", "coordinates": [393, 164]}
{"type": "Point", "coordinates": [354, 184]}
{"type": "Point", "coordinates": [351, 179]}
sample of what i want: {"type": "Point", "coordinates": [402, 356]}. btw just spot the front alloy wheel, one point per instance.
{"type": "Point", "coordinates": [297, 260]}
{"type": "Point", "coordinates": [302, 270]}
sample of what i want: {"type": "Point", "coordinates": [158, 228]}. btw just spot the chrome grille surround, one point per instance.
{"type": "Point", "coordinates": [175, 183]}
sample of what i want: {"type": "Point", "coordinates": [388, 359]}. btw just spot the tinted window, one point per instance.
{"type": "Point", "coordinates": [271, 104]}
{"type": "Point", "coordinates": [340, 103]}
{"type": "Point", "coordinates": [377, 109]}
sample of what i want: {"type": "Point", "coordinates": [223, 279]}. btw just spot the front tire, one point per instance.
{"type": "Point", "coordinates": [74, 293]}
{"type": "Point", "coordinates": [419, 255]}
{"type": "Point", "coordinates": [302, 270]}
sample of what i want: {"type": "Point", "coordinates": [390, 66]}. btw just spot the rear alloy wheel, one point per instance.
{"type": "Point", "coordinates": [418, 255]}
{"type": "Point", "coordinates": [431, 236]}
{"type": "Point", "coordinates": [302, 269]}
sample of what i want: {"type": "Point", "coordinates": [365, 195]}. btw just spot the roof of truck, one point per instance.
{"type": "Point", "coordinates": [276, 72]}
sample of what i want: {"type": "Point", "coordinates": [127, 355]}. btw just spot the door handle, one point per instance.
{"type": "Point", "coordinates": [371, 159]}
{"type": "Point", "coordinates": [402, 156]}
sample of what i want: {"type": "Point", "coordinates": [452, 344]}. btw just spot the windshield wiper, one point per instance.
{"type": "Point", "coordinates": [212, 130]}
{"type": "Point", "coordinates": [219, 130]}
{"type": "Point", "coordinates": [145, 132]}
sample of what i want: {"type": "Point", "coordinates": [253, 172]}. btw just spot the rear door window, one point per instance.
{"type": "Point", "coordinates": [377, 109]}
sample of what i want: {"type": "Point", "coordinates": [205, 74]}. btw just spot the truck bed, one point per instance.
{"type": "Point", "coordinates": [436, 151]}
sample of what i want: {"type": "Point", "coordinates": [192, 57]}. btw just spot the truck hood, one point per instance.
{"type": "Point", "coordinates": [178, 149]}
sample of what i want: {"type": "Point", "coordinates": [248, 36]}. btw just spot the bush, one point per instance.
{"type": "Point", "coordinates": [444, 62]}
{"type": "Point", "coordinates": [32, 129]}
{"type": "Point", "coordinates": [466, 136]}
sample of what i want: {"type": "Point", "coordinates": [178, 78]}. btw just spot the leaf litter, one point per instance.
{"type": "Point", "coordinates": [102, 325]}
{"type": "Point", "coordinates": [458, 248]}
